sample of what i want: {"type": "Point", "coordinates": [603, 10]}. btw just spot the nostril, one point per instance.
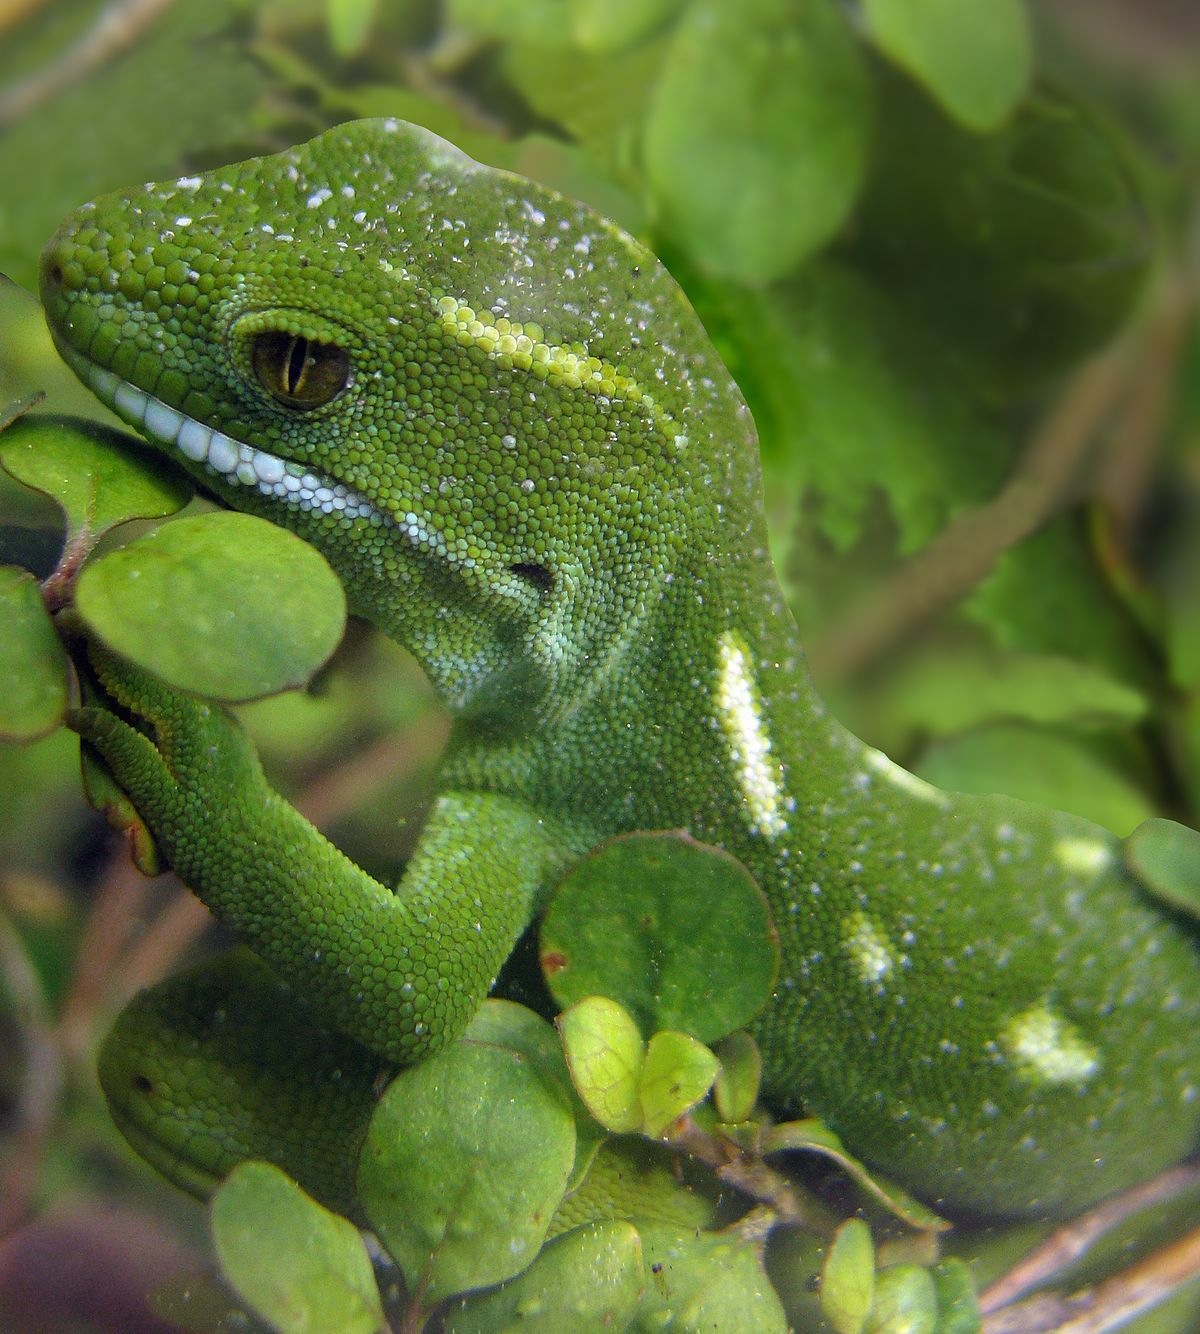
{"type": "Point", "coordinates": [56, 273]}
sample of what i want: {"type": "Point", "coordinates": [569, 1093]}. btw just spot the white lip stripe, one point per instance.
{"type": "Point", "coordinates": [236, 463]}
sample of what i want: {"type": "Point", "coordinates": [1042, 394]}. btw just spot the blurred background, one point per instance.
{"type": "Point", "coordinates": [954, 269]}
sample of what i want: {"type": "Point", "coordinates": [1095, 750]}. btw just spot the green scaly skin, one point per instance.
{"type": "Point", "coordinates": [556, 506]}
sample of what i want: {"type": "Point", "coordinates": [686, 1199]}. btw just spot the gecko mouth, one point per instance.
{"type": "Point", "coordinates": [230, 460]}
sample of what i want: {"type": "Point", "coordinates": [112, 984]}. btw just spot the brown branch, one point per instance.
{"type": "Point", "coordinates": [118, 26]}
{"type": "Point", "coordinates": [1073, 1240]}
{"type": "Point", "coordinates": [968, 549]}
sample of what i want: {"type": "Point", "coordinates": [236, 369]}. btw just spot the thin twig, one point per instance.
{"type": "Point", "coordinates": [968, 548]}
{"type": "Point", "coordinates": [118, 26]}
{"type": "Point", "coordinates": [1071, 1242]}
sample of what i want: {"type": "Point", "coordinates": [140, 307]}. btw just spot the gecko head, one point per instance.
{"type": "Point", "coordinates": [491, 409]}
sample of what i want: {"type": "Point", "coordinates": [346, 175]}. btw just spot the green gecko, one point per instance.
{"type": "Point", "coordinates": [497, 416]}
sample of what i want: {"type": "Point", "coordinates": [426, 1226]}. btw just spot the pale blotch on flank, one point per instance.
{"type": "Point", "coordinates": [1048, 1049]}
{"type": "Point", "coordinates": [901, 778]}
{"type": "Point", "coordinates": [739, 710]}
{"type": "Point", "coordinates": [870, 950]}
{"type": "Point", "coordinates": [1085, 856]}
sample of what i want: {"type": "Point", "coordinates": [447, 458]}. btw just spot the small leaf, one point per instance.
{"type": "Point", "coordinates": [591, 1278]}
{"type": "Point", "coordinates": [349, 24]}
{"type": "Point", "coordinates": [677, 1073]}
{"type": "Point", "coordinates": [314, 1275]}
{"type": "Point", "coordinates": [675, 930]}
{"type": "Point", "coordinates": [735, 1090]}
{"type": "Point", "coordinates": [905, 1302]}
{"type": "Point", "coordinates": [605, 1054]}
{"type": "Point", "coordinates": [703, 1281]}
{"type": "Point", "coordinates": [848, 1278]}
{"type": "Point", "coordinates": [613, 25]}
{"type": "Point", "coordinates": [958, 1304]}
{"type": "Point", "coordinates": [99, 477]}
{"type": "Point", "coordinates": [1165, 857]}
{"type": "Point", "coordinates": [33, 665]}
{"type": "Point", "coordinates": [465, 1162]}
{"type": "Point", "coordinates": [973, 55]}
{"type": "Point", "coordinates": [756, 141]}
{"type": "Point", "coordinates": [224, 605]}
{"type": "Point", "coordinates": [814, 1136]}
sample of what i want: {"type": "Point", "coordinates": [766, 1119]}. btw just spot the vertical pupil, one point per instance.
{"type": "Point", "coordinates": [297, 360]}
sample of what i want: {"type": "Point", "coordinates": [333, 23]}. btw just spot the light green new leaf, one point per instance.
{"type": "Point", "coordinates": [905, 1302]}
{"type": "Point", "coordinates": [848, 1278]}
{"type": "Point", "coordinates": [465, 1161]}
{"type": "Point", "coordinates": [974, 56]}
{"type": "Point", "coordinates": [613, 25]}
{"type": "Point", "coordinates": [1165, 857]}
{"type": "Point", "coordinates": [224, 605]}
{"type": "Point", "coordinates": [958, 1304]}
{"type": "Point", "coordinates": [349, 24]}
{"type": "Point", "coordinates": [33, 666]}
{"type": "Point", "coordinates": [735, 1089]}
{"type": "Point", "coordinates": [591, 1278]}
{"type": "Point", "coordinates": [98, 477]}
{"type": "Point", "coordinates": [756, 141]}
{"type": "Point", "coordinates": [678, 1071]}
{"type": "Point", "coordinates": [605, 1054]}
{"type": "Point", "coordinates": [299, 1266]}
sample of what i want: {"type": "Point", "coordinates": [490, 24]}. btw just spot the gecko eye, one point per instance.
{"type": "Point", "coordinates": [298, 372]}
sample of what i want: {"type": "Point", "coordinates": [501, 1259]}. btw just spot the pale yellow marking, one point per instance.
{"type": "Point", "coordinates": [901, 778]}
{"type": "Point", "coordinates": [1085, 856]}
{"type": "Point", "coordinates": [739, 710]}
{"type": "Point", "coordinates": [522, 347]}
{"type": "Point", "coordinates": [869, 949]}
{"type": "Point", "coordinates": [1049, 1049]}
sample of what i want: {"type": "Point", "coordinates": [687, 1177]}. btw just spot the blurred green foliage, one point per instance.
{"type": "Point", "coordinates": [907, 225]}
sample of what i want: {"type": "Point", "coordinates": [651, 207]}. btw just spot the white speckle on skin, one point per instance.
{"type": "Point", "coordinates": [739, 710]}
{"type": "Point", "coordinates": [906, 782]}
{"type": "Point", "coordinates": [870, 950]}
{"type": "Point", "coordinates": [318, 197]}
{"type": "Point", "coordinates": [1048, 1049]}
{"type": "Point", "coordinates": [1085, 856]}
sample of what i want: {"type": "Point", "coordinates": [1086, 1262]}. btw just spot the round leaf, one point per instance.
{"type": "Point", "coordinates": [848, 1278]}
{"type": "Point", "coordinates": [224, 605]}
{"type": "Point", "coordinates": [314, 1275]}
{"type": "Point", "coordinates": [605, 1054]}
{"type": "Point", "coordinates": [675, 930]}
{"type": "Point", "coordinates": [905, 1302]}
{"type": "Point", "coordinates": [678, 1071]}
{"type": "Point", "coordinates": [973, 55]}
{"type": "Point", "coordinates": [591, 1278]}
{"type": "Point", "coordinates": [756, 139]}
{"type": "Point", "coordinates": [705, 1281]}
{"type": "Point", "coordinates": [465, 1161]}
{"type": "Point", "coordinates": [98, 477]}
{"type": "Point", "coordinates": [1165, 857]}
{"type": "Point", "coordinates": [33, 666]}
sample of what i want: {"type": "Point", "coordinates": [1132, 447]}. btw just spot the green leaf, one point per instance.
{"type": "Point", "coordinates": [735, 1090]}
{"type": "Point", "coordinates": [591, 1278]}
{"type": "Point", "coordinates": [1038, 765]}
{"type": "Point", "coordinates": [530, 21]}
{"type": "Point", "coordinates": [298, 1265]}
{"type": "Point", "coordinates": [677, 931]}
{"type": "Point", "coordinates": [465, 1161]}
{"type": "Point", "coordinates": [905, 1302]}
{"type": "Point", "coordinates": [848, 1278]}
{"type": "Point", "coordinates": [756, 141]}
{"type": "Point", "coordinates": [974, 56]}
{"type": "Point", "coordinates": [677, 1073]}
{"type": "Point", "coordinates": [349, 24]}
{"type": "Point", "coordinates": [224, 605]}
{"type": "Point", "coordinates": [958, 1305]}
{"type": "Point", "coordinates": [814, 1136]}
{"type": "Point", "coordinates": [1165, 857]}
{"type": "Point", "coordinates": [613, 25]}
{"type": "Point", "coordinates": [99, 477]}
{"type": "Point", "coordinates": [605, 1054]}
{"type": "Point", "coordinates": [33, 665]}
{"type": "Point", "coordinates": [703, 1281]}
